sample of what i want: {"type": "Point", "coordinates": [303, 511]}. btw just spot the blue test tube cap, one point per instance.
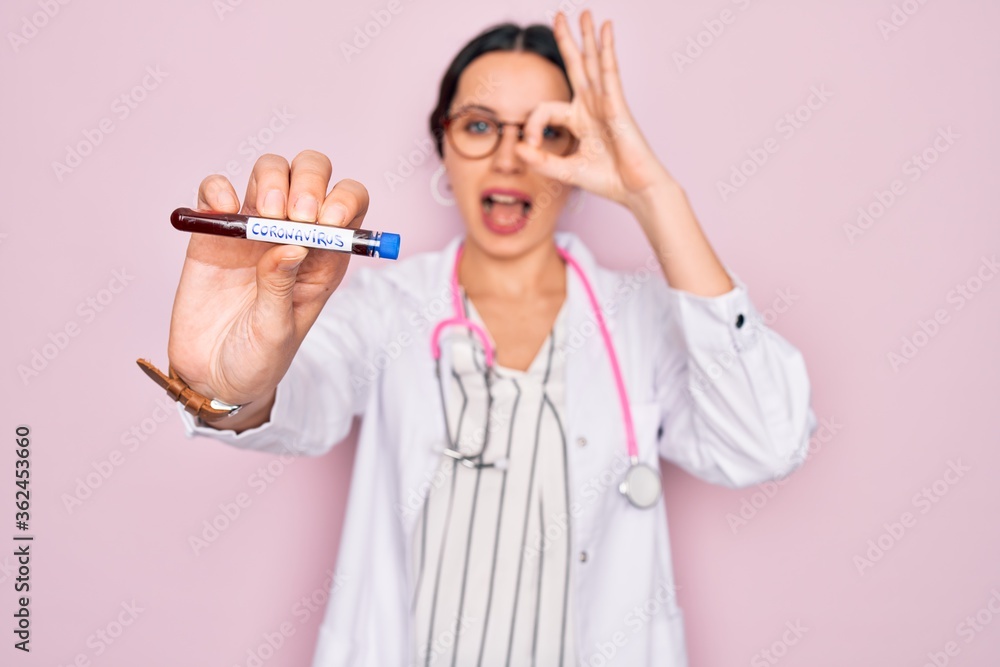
{"type": "Point", "coordinates": [388, 245]}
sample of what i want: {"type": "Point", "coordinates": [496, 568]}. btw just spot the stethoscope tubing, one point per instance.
{"type": "Point", "coordinates": [460, 320]}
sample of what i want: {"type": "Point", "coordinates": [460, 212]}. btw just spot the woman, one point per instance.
{"type": "Point", "coordinates": [487, 522]}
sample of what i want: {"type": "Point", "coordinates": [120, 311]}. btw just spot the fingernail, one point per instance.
{"type": "Point", "coordinates": [305, 208]}
{"type": "Point", "coordinates": [290, 263]}
{"type": "Point", "coordinates": [334, 214]}
{"type": "Point", "coordinates": [226, 201]}
{"type": "Point", "coordinates": [274, 204]}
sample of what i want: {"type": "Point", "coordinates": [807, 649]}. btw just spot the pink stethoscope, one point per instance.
{"type": "Point", "coordinates": [641, 485]}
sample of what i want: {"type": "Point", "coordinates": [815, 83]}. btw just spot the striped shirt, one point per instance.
{"type": "Point", "coordinates": [492, 545]}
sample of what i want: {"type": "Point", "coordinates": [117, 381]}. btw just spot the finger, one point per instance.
{"type": "Point", "coordinates": [310, 174]}
{"type": "Point", "coordinates": [267, 190]}
{"type": "Point", "coordinates": [590, 60]}
{"type": "Point", "coordinates": [545, 114]}
{"type": "Point", "coordinates": [277, 270]}
{"type": "Point", "coordinates": [216, 193]}
{"type": "Point", "coordinates": [571, 55]}
{"type": "Point", "coordinates": [346, 205]}
{"type": "Point", "coordinates": [547, 164]}
{"type": "Point", "coordinates": [610, 79]}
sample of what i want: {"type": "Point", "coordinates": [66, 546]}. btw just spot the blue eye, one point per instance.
{"type": "Point", "coordinates": [478, 127]}
{"type": "Point", "coordinates": [552, 132]}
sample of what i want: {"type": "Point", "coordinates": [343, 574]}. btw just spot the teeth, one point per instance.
{"type": "Point", "coordinates": [489, 200]}
{"type": "Point", "coordinates": [503, 199]}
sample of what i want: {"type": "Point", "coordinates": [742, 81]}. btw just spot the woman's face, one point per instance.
{"type": "Point", "coordinates": [508, 209]}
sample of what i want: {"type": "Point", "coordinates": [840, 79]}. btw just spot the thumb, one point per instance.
{"type": "Point", "coordinates": [277, 270]}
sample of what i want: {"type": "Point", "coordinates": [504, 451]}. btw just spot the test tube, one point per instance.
{"type": "Point", "coordinates": [289, 232]}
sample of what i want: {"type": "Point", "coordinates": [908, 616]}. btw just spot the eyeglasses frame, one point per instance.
{"type": "Point", "coordinates": [448, 119]}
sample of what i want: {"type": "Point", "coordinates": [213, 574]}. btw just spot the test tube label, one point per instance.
{"type": "Point", "coordinates": [300, 233]}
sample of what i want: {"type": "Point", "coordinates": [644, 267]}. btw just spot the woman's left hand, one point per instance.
{"type": "Point", "coordinates": [612, 159]}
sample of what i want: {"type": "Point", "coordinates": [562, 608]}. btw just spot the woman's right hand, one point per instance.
{"type": "Point", "coordinates": [243, 307]}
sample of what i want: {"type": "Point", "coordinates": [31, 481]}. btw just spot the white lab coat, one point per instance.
{"type": "Point", "coordinates": [728, 404]}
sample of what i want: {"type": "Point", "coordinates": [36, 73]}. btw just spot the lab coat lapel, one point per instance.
{"type": "Point", "coordinates": [592, 407]}
{"type": "Point", "coordinates": [427, 280]}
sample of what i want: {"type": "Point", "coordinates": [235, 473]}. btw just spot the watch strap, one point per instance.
{"type": "Point", "coordinates": [208, 409]}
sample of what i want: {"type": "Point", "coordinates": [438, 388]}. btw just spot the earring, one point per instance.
{"type": "Point", "coordinates": [575, 200]}
{"type": "Point", "coordinates": [436, 190]}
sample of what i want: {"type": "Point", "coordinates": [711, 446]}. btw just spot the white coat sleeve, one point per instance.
{"type": "Point", "coordinates": [328, 381]}
{"type": "Point", "coordinates": [735, 395]}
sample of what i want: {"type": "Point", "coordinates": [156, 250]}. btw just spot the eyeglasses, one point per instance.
{"type": "Point", "coordinates": [475, 134]}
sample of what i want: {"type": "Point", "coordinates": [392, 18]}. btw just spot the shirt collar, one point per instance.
{"type": "Point", "coordinates": [566, 240]}
{"type": "Point", "coordinates": [429, 277]}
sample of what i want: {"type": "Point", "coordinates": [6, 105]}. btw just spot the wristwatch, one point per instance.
{"type": "Point", "coordinates": [208, 409]}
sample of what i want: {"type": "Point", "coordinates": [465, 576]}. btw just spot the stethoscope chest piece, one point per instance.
{"type": "Point", "coordinates": [641, 485]}
{"type": "Point", "coordinates": [642, 482]}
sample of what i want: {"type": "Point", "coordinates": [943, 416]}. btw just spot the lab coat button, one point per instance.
{"type": "Point", "coordinates": [739, 321]}
{"type": "Point", "coordinates": [581, 441]}
{"type": "Point", "coordinates": [583, 556]}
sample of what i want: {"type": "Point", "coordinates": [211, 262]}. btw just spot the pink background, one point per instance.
{"type": "Point", "coordinates": [782, 231]}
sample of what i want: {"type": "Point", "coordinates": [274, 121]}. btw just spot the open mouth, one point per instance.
{"type": "Point", "coordinates": [505, 211]}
